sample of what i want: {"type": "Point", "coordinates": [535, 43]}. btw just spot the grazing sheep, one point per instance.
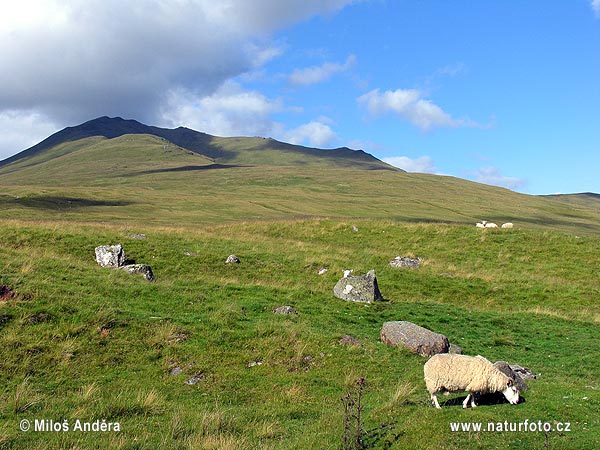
{"type": "Point", "coordinates": [491, 225]}
{"type": "Point", "coordinates": [447, 372]}
{"type": "Point", "coordinates": [480, 225]}
{"type": "Point", "coordinates": [507, 225]}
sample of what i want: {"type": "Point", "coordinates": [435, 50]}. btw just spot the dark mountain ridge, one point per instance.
{"type": "Point", "coordinates": [195, 141]}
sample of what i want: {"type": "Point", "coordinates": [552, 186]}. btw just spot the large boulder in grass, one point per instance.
{"type": "Point", "coordinates": [358, 288]}
{"type": "Point", "coordinates": [516, 373]}
{"type": "Point", "coordinates": [142, 269]}
{"type": "Point", "coordinates": [112, 256]}
{"type": "Point", "coordinates": [415, 338]}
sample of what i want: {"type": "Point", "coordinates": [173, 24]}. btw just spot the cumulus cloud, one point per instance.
{"type": "Point", "coordinates": [319, 74]}
{"type": "Point", "coordinates": [230, 110]}
{"type": "Point", "coordinates": [423, 164]}
{"type": "Point", "coordinates": [72, 61]}
{"type": "Point", "coordinates": [316, 133]}
{"type": "Point", "coordinates": [595, 4]}
{"type": "Point", "coordinates": [492, 175]}
{"type": "Point", "coordinates": [410, 105]}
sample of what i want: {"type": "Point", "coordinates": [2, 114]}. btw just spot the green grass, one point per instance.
{"type": "Point", "coordinates": [83, 342]}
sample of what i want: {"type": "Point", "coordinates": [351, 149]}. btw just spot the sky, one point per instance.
{"type": "Point", "coordinates": [500, 92]}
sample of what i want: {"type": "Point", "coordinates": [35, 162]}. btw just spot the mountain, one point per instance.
{"type": "Point", "coordinates": [236, 150]}
{"type": "Point", "coordinates": [122, 171]}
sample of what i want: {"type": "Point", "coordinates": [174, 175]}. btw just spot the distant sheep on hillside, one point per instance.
{"type": "Point", "coordinates": [491, 225]}
{"type": "Point", "coordinates": [507, 225]}
{"type": "Point", "coordinates": [446, 372]}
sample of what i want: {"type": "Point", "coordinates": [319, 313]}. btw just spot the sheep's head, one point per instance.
{"type": "Point", "coordinates": [511, 392]}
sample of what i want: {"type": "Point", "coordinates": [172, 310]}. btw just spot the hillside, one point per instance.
{"type": "Point", "coordinates": [93, 172]}
{"type": "Point", "coordinates": [236, 150]}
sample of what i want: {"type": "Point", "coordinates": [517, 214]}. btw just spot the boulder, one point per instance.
{"type": "Point", "coordinates": [143, 269]}
{"type": "Point", "coordinates": [232, 259]}
{"type": "Point", "coordinates": [453, 348]}
{"type": "Point", "coordinates": [405, 261]}
{"type": "Point", "coordinates": [513, 374]}
{"type": "Point", "coordinates": [112, 256]}
{"type": "Point", "coordinates": [285, 310]}
{"type": "Point", "coordinates": [358, 288]}
{"type": "Point", "coordinates": [414, 337]}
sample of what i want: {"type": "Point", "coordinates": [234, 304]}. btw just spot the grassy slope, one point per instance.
{"type": "Point", "coordinates": [136, 178]}
{"type": "Point", "coordinates": [525, 296]}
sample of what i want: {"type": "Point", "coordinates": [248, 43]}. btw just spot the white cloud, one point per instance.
{"type": "Point", "coordinates": [76, 60]}
{"type": "Point", "coordinates": [423, 164]}
{"type": "Point", "coordinates": [595, 4]}
{"type": "Point", "coordinates": [229, 111]}
{"type": "Point", "coordinates": [21, 130]}
{"type": "Point", "coordinates": [234, 111]}
{"type": "Point", "coordinates": [316, 133]}
{"type": "Point", "coordinates": [492, 175]}
{"type": "Point", "coordinates": [319, 74]}
{"type": "Point", "coordinates": [410, 105]}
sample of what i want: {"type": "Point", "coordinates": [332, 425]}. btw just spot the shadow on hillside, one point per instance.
{"type": "Point", "coordinates": [188, 169]}
{"type": "Point", "coordinates": [59, 203]}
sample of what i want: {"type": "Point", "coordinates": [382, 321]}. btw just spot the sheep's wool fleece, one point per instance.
{"type": "Point", "coordinates": [457, 373]}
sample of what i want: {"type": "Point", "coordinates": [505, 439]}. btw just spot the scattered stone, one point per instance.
{"type": "Point", "coordinates": [358, 288]}
{"type": "Point", "coordinates": [354, 228]}
{"type": "Point", "coordinates": [509, 371]}
{"type": "Point", "coordinates": [232, 259]}
{"type": "Point", "coordinates": [143, 269]}
{"type": "Point", "coordinates": [112, 256]}
{"type": "Point", "coordinates": [349, 340]}
{"type": "Point", "coordinates": [523, 372]}
{"type": "Point", "coordinates": [190, 254]}
{"type": "Point", "coordinates": [138, 236]}
{"type": "Point", "coordinates": [415, 338]}
{"type": "Point", "coordinates": [453, 348]}
{"type": "Point", "coordinates": [322, 271]}
{"type": "Point", "coordinates": [446, 275]}
{"type": "Point", "coordinates": [6, 293]}
{"type": "Point", "coordinates": [405, 261]}
{"type": "Point", "coordinates": [254, 363]}
{"type": "Point", "coordinates": [285, 310]}
{"type": "Point", "coordinates": [195, 379]}
{"type": "Point", "coordinates": [175, 371]}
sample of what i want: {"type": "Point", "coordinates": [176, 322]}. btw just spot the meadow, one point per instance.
{"type": "Point", "coordinates": [84, 342]}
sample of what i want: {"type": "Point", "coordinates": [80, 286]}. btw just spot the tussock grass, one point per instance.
{"type": "Point", "coordinates": [93, 343]}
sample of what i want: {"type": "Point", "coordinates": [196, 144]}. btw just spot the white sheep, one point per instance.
{"type": "Point", "coordinates": [507, 225]}
{"type": "Point", "coordinates": [491, 225]}
{"type": "Point", "coordinates": [480, 225]}
{"type": "Point", "coordinates": [447, 372]}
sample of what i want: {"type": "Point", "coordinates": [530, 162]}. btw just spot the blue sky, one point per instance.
{"type": "Point", "coordinates": [504, 93]}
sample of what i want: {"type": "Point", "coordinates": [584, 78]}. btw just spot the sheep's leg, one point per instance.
{"type": "Point", "coordinates": [473, 404]}
{"type": "Point", "coordinates": [435, 401]}
{"type": "Point", "coordinates": [466, 402]}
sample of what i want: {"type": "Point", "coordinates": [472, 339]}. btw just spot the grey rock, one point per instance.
{"type": "Point", "coordinates": [143, 269]}
{"type": "Point", "coordinates": [322, 271]}
{"type": "Point", "coordinates": [138, 236]}
{"type": "Point", "coordinates": [415, 338]}
{"type": "Point", "coordinates": [453, 348]}
{"type": "Point", "coordinates": [175, 371]}
{"type": "Point", "coordinates": [354, 228]}
{"type": "Point", "coordinates": [405, 261]}
{"type": "Point", "coordinates": [523, 372]}
{"type": "Point", "coordinates": [232, 259]}
{"type": "Point", "coordinates": [112, 256]}
{"type": "Point", "coordinates": [195, 379]}
{"type": "Point", "coordinates": [285, 310]}
{"type": "Point", "coordinates": [509, 371]}
{"type": "Point", "coordinates": [358, 288]}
